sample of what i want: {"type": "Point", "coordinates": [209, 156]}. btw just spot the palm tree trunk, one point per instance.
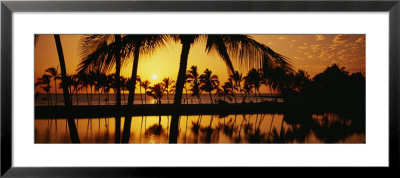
{"type": "Point", "coordinates": [127, 129]}
{"type": "Point", "coordinates": [117, 130]}
{"type": "Point", "coordinates": [240, 90]}
{"type": "Point", "coordinates": [141, 97]}
{"type": "Point", "coordinates": [87, 96]}
{"type": "Point", "coordinates": [173, 137]}
{"type": "Point", "coordinates": [255, 94]}
{"type": "Point", "coordinates": [131, 95]}
{"type": "Point", "coordinates": [145, 98]}
{"type": "Point", "coordinates": [211, 98]}
{"type": "Point", "coordinates": [167, 96]}
{"type": "Point", "coordinates": [186, 96]}
{"type": "Point", "coordinates": [76, 94]}
{"type": "Point", "coordinates": [117, 74]}
{"type": "Point", "coordinates": [55, 88]}
{"type": "Point", "coordinates": [48, 98]}
{"type": "Point", "coordinates": [123, 94]}
{"type": "Point", "coordinates": [91, 95]}
{"type": "Point", "coordinates": [99, 96]}
{"type": "Point", "coordinates": [234, 95]}
{"type": "Point", "coordinates": [71, 122]}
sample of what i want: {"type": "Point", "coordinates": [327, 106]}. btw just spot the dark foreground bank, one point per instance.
{"type": "Point", "coordinates": [45, 112]}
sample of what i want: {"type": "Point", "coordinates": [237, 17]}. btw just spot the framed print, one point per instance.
{"type": "Point", "coordinates": [141, 88]}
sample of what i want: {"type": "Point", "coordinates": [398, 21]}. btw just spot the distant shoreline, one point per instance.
{"type": "Point", "coordinates": [48, 112]}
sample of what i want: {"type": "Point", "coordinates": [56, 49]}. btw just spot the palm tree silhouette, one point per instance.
{"type": "Point", "coordinates": [68, 82]}
{"type": "Point", "coordinates": [44, 80]}
{"type": "Point", "coordinates": [77, 87]}
{"type": "Point", "coordinates": [279, 78]}
{"type": "Point", "coordinates": [145, 84]}
{"type": "Point", "coordinates": [157, 92]}
{"type": "Point", "coordinates": [71, 123]}
{"type": "Point", "coordinates": [139, 80]}
{"type": "Point", "coordinates": [193, 78]}
{"type": "Point", "coordinates": [243, 47]}
{"type": "Point", "coordinates": [99, 80]}
{"type": "Point", "coordinates": [227, 91]}
{"type": "Point", "coordinates": [53, 72]}
{"type": "Point", "coordinates": [167, 82]}
{"type": "Point", "coordinates": [254, 78]}
{"type": "Point", "coordinates": [85, 80]}
{"type": "Point", "coordinates": [247, 50]}
{"type": "Point", "coordinates": [103, 52]}
{"type": "Point", "coordinates": [208, 82]}
{"type": "Point", "coordinates": [301, 80]}
{"type": "Point", "coordinates": [237, 78]}
{"type": "Point", "coordinates": [124, 86]}
{"type": "Point", "coordinates": [247, 88]}
{"type": "Point", "coordinates": [142, 44]}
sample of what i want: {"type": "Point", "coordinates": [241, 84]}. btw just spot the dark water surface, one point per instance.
{"type": "Point", "coordinates": [249, 128]}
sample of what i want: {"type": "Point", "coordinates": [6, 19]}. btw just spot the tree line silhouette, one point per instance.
{"type": "Point", "coordinates": [334, 85]}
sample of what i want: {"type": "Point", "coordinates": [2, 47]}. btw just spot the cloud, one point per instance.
{"type": "Point", "coordinates": [319, 37]}
{"type": "Point", "coordinates": [316, 48]}
{"type": "Point", "coordinates": [303, 47]}
{"type": "Point", "coordinates": [339, 39]}
{"type": "Point", "coordinates": [360, 39]}
{"type": "Point", "coordinates": [281, 37]}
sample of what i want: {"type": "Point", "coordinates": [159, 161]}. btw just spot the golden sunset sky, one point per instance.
{"type": "Point", "coordinates": [312, 53]}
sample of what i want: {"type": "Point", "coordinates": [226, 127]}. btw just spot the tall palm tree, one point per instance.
{"type": "Point", "coordinates": [77, 87]}
{"type": "Point", "coordinates": [227, 91]}
{"type": "Point", "coordinates": [139, 80]}
{"type": "Point", "coordinates": [193, 78]}
{"type": "Point", "coordinates": [103, 52]}
{"type": "Point", "coordinates": [237, 78]}
{"type": "Point", "coordinates": [99, 81]}
{"type": "Point", "coordinates": [301, 80]}
{"type": "Point", "coordinates": [209, 82]}
{"type": "Point", "coordinates": [279, 78]}
{"type": "Point", "coordinates": [157, 92]}
{"type": "Point", "coordinates": [142, 45]}
{"type": "Point", "coordinates": [85, 80]}
{"type": "Point", "coordinates": [244, 48]}
{"type": "Point", "coordinates": [69, 83]}
{"type": "Point", "coordinates": [124, 86]}
{"type": "Point", "coordinates": [44, 82]}
{"type": "Point", "coordinates": [145, 84]}
{"type": "Point", "coordinates": [167, 82]}
{"type": "Point", "coordinates": [248, 53]}
{"type": "Point", "coordinates": [247, 88]}
{"type": "Point", "coordinates": [53, 72]}
{"type": "Point", "coordinates": [67, 101]}
{"type": "Point", "coordinates": [254, 78]}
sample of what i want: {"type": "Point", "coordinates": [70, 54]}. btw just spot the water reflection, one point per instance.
{"type": "Point", "coordinates": [249, 128]}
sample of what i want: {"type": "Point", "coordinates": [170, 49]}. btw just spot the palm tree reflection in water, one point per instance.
{"type": "Point", "coordinates": [250, 128]}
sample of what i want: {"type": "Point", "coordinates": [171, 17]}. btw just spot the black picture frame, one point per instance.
{"type": "Point", "coordinates": [8, 7]}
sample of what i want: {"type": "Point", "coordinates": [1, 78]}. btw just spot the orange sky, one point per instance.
{"type": "Point", "coordinates": [312, 53]}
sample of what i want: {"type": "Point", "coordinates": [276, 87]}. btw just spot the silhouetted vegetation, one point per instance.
{"type": "Point", "coordinates": [333, 87]}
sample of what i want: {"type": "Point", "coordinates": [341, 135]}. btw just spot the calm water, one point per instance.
{"type": "Point", "coordinates": [251, 128]}
{"type": "Point", "coordinates": [82, 99]}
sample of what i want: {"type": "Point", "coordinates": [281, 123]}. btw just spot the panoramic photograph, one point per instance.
{"type": "Point", "coordinates": [199, 88]}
